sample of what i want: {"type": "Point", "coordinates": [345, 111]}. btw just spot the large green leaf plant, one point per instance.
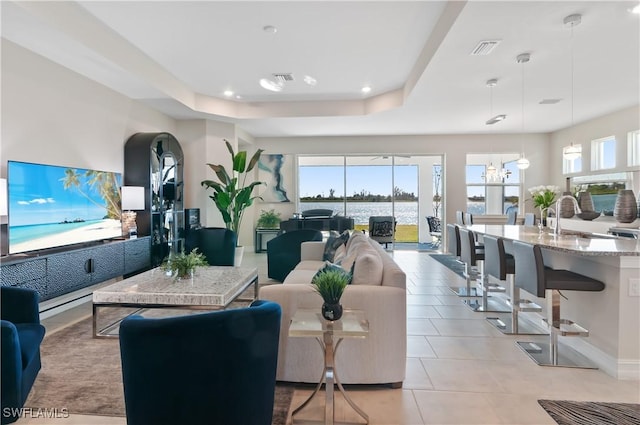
{"type": "Point", "coordinates": [232, 194]}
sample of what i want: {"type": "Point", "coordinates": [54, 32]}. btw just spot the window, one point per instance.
{"type": "Point", "coordinates": [633, 148]}
{"type": "Point", "coordinates": [492, 191]}
{"type": "Point", "coordinates": [603, 188]}
{"type": "Point", "coordinates": [603, 153]}
{"type": "Point", "coordinates": [572, 159]}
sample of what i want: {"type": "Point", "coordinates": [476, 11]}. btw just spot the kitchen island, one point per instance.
{"type": "Point", "coordinates": [613, 315]}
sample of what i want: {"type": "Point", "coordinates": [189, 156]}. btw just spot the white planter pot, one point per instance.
{"type": "Point", "coordinates": [238, 258]}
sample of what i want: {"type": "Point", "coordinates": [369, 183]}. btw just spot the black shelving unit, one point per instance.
{"type": "Point", "coordinates": [155, 161]}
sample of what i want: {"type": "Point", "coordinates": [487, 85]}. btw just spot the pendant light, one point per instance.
{"type": "Point", "coordinates": [573, 151]}
{"type": "Point", "coordinates": [491, 84]}
{"type": "Point", "coordinates": [522, 163]}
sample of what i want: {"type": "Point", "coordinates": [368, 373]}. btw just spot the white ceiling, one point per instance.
{"type": "Point", "coordinates": [179, 57]}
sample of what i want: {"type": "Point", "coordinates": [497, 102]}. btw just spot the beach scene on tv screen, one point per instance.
{"type": "Point", "coordinates": [52, 206]}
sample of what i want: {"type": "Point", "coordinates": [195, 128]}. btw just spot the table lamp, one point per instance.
{"type": "Point", "coordinates": [132, 199]}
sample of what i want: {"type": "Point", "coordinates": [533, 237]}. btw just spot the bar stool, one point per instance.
{"type": "Point", "coordinates": [501, 266]}
{"type": "Point", "coordinates": [534, 277]}
{"type": "Point", "coordinates": [453, 246]}
{"type": "Point", "coordinates": [474, 257]}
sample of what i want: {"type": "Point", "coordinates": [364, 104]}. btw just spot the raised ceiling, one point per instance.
{"type": "Point", "coordinates": [179, 57]}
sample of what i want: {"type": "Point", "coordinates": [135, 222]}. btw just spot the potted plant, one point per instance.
{"type": "Point", "coordinates": [183, 266]}
{"type": "Point", "coordinates": [330, 284]}
{"type": "Point", "coordinates": [232, 194]}
{"type": "Point", "coordinates": [268, 220]}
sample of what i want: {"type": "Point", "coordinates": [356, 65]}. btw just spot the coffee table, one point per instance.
{"type": "Point", "coordinates": [310, 323]}
{"type": "Point", "coordinates": [211, 288]}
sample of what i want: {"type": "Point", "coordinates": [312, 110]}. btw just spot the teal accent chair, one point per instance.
{"type": "Point", "coordinates": [209, 368]}
{"type": "Point", "coordinates": [283, 251]}
{"type": "Point", "coordinates": [22, 335]}
{"type": "Point", "coordinates": [218, 245]}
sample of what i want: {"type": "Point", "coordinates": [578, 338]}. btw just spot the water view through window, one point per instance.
{"type": "Point", "coordinates": [360, 187]}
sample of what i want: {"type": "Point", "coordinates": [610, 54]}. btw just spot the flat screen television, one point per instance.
{"type": "Point", "coordinates": [52, 206]}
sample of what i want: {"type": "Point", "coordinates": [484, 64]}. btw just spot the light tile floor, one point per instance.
{"type": "Point", "coordinates": [460, 370]}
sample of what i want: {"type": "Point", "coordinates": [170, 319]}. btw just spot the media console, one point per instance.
{"type": "Point", "coordinates": [53, 274]}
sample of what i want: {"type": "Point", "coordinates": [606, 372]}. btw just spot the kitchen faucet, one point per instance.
{"type": "Point", "coordinates": [556, 223]}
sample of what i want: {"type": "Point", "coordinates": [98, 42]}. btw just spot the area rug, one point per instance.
{"type": "Point", "coordinates": [591, 413]}
{"type": "Point", "coordinates": [450, 262]}
{"type": "Point", "coordinates": [83, 375]}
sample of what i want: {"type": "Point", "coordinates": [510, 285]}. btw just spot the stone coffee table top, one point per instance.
{"type": "Point", "coordinates": [210, 286]}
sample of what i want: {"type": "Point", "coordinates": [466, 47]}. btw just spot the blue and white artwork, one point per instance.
{"type": "Point", "coordinates": [275, 170]}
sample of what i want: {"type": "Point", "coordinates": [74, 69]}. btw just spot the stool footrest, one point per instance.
{"type": "Point", "coordinates": [491, 287]}
{"type": "Point", "coordinates": [524, 305]}
{"type": "Point", "coordinates": [569, 328]}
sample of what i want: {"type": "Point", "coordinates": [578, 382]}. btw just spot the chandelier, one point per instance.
{"type": "Point", "coordinates": [492, 175]}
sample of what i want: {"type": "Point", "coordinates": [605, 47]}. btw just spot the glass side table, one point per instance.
{"type": "Point", "coordinates": [311, 324]}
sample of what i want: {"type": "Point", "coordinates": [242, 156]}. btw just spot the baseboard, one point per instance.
{"type": "Point", "coordinates": [623, 369]}
{"type": "Point", "coordinates": [68, 301]}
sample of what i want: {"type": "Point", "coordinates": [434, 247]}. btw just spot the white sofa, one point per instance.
{"type": "Point", "coordinates": [378, 288]}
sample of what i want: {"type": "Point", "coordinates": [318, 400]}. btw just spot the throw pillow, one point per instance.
{"type": "Point", "coordinates": [333, 242]}
{"type": "Point", "coordinates": [367, 269]}
{"type": "Point", "coordinates": [341, 252]}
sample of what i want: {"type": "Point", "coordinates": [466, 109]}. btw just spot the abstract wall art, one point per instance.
{"type": "Point", "coordinates": [276, 171]}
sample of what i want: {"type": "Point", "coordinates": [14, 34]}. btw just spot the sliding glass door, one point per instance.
{"type": "Point", "coordinates": [408, 188]}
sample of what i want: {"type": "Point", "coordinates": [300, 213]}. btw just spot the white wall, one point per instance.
{"type": "Point", "coordinates": [54, 116]}
{"type": "Point", "coordinates": [617, 124]}
{"type": "Point", "coordinates": [453, 147]}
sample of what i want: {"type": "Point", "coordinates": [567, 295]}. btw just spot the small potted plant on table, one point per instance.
{"type": "Point", "coordinates": [330, 284]}
{"type": "Point", "coordinates": [183, 266]}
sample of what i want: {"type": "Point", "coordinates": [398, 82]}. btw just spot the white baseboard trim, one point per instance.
{"type": "Point", "coordinates": [68, 301]}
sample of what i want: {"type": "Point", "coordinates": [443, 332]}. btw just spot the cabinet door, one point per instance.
{"type": "Point", "coordinates": [68, 271]}
{"type": "Point", "coordinates": [107, 262]}
{"type": "Point", "coordinates": [137, 255]}
{"type": "Point", "coordinates": [30, 274]}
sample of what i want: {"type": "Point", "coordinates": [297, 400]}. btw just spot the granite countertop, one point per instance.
{"type": "Point", "coordinates": [583, 243]}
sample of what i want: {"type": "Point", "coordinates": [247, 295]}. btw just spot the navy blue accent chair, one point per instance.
{"type": "Point", "coordinates": [218, 245]}
{"type": "Point", "coordinates": [283, 251]}
{"type": "Point", "coordinates": [209, 368]}
{"type": "Point", "coordinates": [22, 335]}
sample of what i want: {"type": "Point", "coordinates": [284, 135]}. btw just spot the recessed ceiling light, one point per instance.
{"type": "Point", "coordinates": [310, 80]}
{"type": "Point", "coordinates": [270, 29]}
{"type": "Point", "coordinates": [270, 85]}
{"type": "Point", "coordinates": [238, 96]}
{"type": "Point", "coordinates": [366, 89]}
{"type": "Point", "coordinates": [636, 9]}
{"type": "Point", "coordinates": [228, 93]}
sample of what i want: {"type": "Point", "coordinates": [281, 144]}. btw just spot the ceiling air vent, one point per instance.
{"type": "Point", "coordinates": [283, 77]}
{"type": "Point", "coordinates": [485, 47]}
{"type": "Point", "coordinates": [549, 101]}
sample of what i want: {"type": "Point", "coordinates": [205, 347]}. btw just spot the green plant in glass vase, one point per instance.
{"type": "Point", "coordinates": [232, 194]}
{"type": "Point", "coordinates": [183, 265]}
{"type": "Point", "coordinates": [330, 284]}
{"type": "Point", "coordinates": [543, 197]}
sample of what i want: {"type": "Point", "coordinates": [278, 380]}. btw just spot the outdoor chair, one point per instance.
{"type": "Point", "coordinates": [382, 229]}
{"type": "Point", "coordinates": [435, 229]}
